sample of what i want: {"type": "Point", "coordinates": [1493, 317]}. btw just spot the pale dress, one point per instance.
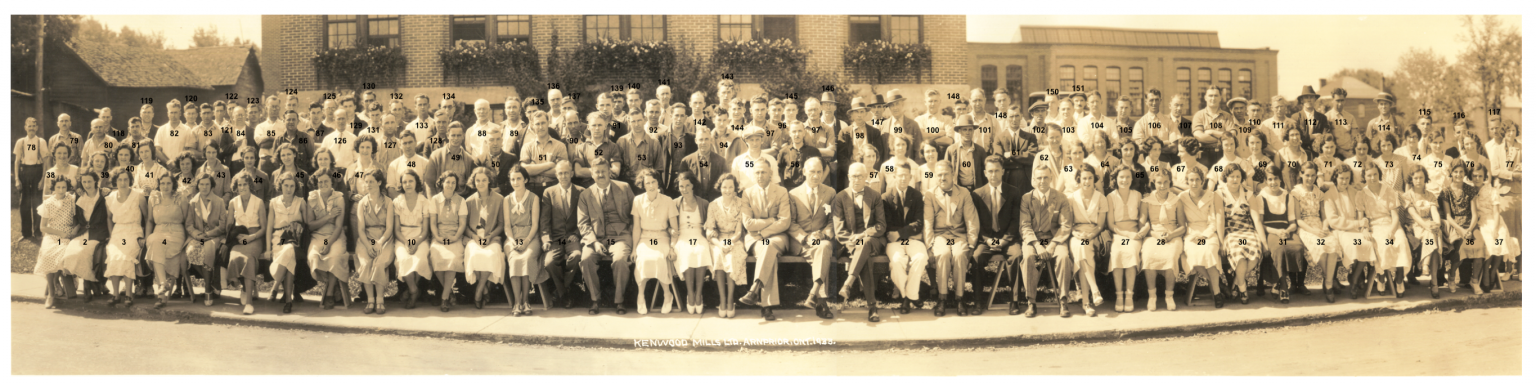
{"type": "Point", "coordinates": [1201, 218]}
{"type": "Point", "coordinates": [285, 254]}
{"type": "Point", "coordinates": [487, 257]}
{"type": "Point", "coordinates": [651, 254]}
{"type": "Point", "coordinates": [693, 250]}
{"type": "Point", "coordinates": [1124, 252]}
{"type": "Point", "coordinates": [1343, 208]}
{"type": "Point", "coordinates": [523, 214]}
{"type": "Point", "coordinates": [59, 212]}
{"type": "Point", "coordinates": [80, 253]}
{"type": "Point", "coordinates": [448, 213]}
{"type": "Point", "coordinates": [1309, 209]}
{"type": "Point", "coordinates": [729, 258]}
{"type": "Point", "coordinates": [123, 248]}
{"type": "Point", "coordinates": [1387, 235]}
{"type": "Point", "coordinates": [167, 242]}
{"type": "Point", "coordinates": [1428, 237]}
{"type": "Point", "coordinates": [327, 235]}
{"type": "Point", "coordinates": [372, 264]}
{"type": "Point", "coordinates": [1086, 214]}
{"type": "Point", "coordinates": [1163, 215]}
{"type": "Point", "coordinates": [411, 217]}
{"type": "Point", "coordinates": [1492, 232]}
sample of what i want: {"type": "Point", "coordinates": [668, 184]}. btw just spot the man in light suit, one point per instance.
{"type": "Point", "coordinates": [997, 205]}
{"type": "Point", "coordinates": [811, 232]}
{"type": "Point", "coordinates": [766, 218]}
{"type": "Point", "coordinates": [859, 217]}
{"type": "Point", "coordinates": [951, 228]}
{"type": "Point", "coordinates": [602, 217]}
{"type": "Point", "coordinates": [904, 236]}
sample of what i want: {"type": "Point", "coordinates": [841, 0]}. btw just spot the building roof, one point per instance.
{"type": "Point", "coordinates": [1117, 36]}
{"type": "Point", "coordinates": [136, 67]}
{"type": "Point", "coordinates": [1355, 88]}
{"type": "Point", "coordinates": [216, 66]}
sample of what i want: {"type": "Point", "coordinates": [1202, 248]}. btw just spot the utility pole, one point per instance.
{"type": "Point", "coordinates": [42, 103]}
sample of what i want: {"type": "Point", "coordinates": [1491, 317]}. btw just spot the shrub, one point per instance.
{"type": "Point", "coordinates": [514, 63]}
{"type": "Point", "coordinates": [760, 58]}
{"type": "Point", "coordinates": [883, 62]}
{"type": "Point", "coordinates": [350, 67]}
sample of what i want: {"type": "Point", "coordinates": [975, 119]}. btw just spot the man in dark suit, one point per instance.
{"type": "Point", "coordinates": [904, 236]}
{"type": "Point", "coordinates": [1018, 147]}
{"type": "Point", "coordinates": [854, 136]}
{"type": "Point", "coordinates": [1309, 119]}
{"type": "Point", "coordinates": [562, 242]}
{"type": "Point", "coordinates": [966, 156]}
{"type": "Point", "coordinates": [858, 215]}
{"type": "Point", "coordinates": [707, 164]}
{"type": "Point", "coordinates": [602, 217]}
{"type": "Point", "coordinates": [997, 206]}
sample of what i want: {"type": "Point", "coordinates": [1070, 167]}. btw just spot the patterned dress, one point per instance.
{"type": "Point", "coordinates": [59, 212]}
{"type": "Point", "coordinates": [730, 256]}
{"type": "Point", "coordinates": [372, 260]}
{"type": "Point", "coordinates": [1241, 239]}
{"type": "Point", "coordinates": [1309, 209]}
{"type": "Point", "coordinates": [523, 216]}
{"type": "Point", "coordinates": [285, 252]}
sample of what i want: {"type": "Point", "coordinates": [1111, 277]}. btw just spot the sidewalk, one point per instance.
{"type": "Point", "coordinates": [796, 328]}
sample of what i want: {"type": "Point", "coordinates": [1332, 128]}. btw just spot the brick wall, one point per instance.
{"type": "Point", "coordinates": [545, 27]}
{"type": "Point", "coordinates": [945, 35]}
{"type": "Point", "coordinates": [422, 36]}
{"type": "Point", "coordinates": [288, 41]}
{"type": "Point", "coordinates": [825, 36]}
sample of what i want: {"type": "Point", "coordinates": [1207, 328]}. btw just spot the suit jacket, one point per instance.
{"type": "Point", "coordinates": [850, 221]}
{"type": "Point", "coordinates": [708, 169]}
{"type": "Point", "coordinates": [1048, 218]}
{"type": "Point", "coordinates": [591, 221]}
{"type": "Point", "coordinates": [562, 211]}
{"type": "Point", "coordinates": [960, 222]}
{"type": "Point", "coordinates": [905, 224]}
{"type": "Point", "coordinates": [1319, 125]}
{"type": "Point", "coordinates": [809, 215]}
{"type": "Point", "coordinates": [769, 217]}
{"type": "Point", "coordinates": [844, 151]}
{"type": "Point", "coordinates": [1007, 222]}
{"type": "Point", "coordinates": [977, 159]}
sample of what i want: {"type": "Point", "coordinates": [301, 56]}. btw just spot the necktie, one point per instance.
{"type": "Point", "coordinates": [997, 201]}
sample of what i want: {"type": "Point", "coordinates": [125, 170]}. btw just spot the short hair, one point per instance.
{"type": "Point", "coordinates": [1415, 171]}
{"type": "Point", "coordinates": [414, 176]}
{"type": "Point", "coordinates": [1340, 171]}
{"type": "Point", "coordinates": [1262, 174]}
{"type": "Point", "coordinates": [1227, 173]}
{"type": "Point", "coordinates": [68, 185]}
{"type": "Point", "coordinates": [187, 155]}
{"type": "Point", "coordinates": [775, 103]}
{"type": "Point", "coordinates": [1123, 167]}
{"type": "Point", "coordinates": [173, 103]}
{"type": "Point", "coordinates": [931, 93]}
{"type": "Point", "coordinates": [759, 99]}
{"type": "Point", "coordinates": [1340, 92]}
{"type": "Point", "coordinates": [1462, 165]}
{"type": "Point", "coordinates": [285, 176]}
{"type": "Point", "coordinates": [1319, 139]}
{"type": "Point", "coordinates": [1042, 169]}
{"type": "Point", "coordinates": [124, 171]}
{"type": "Point", "coordinates": [1392, 138]}
{"type": "Point", "coordinates": [94, 177]}
{"type": "Point", "coordinates": [490, 177]}
{"type": "Point", "coordinates": [357, 144]}
{"type": "Point", "coordinates": [1154, 92]}
{"type": "Point", "coordinates": [1146, 144]}
{"type": "Point", "coordinates": [725, 83]}
{"type": "Point", "coordinates": [242, 150]}
{"type": "Point", "coordinates": [458, 182]}
{"type": "Point", "coordinates": [1263, 140]}
{"type": "Point", "coordinates": [962, 102]}
{"type": "Point", "coordinates": [1370, 166]}
{"type": "Point", "coordinates": [632, 91]}
{"type": "Point", "coordinates": [377, 175]}
{"type": "Point", "coordinates": [374, 106]}
{"type": "Point", "coordinates": [1120, 147]}
{"type": "Point", "coordinates": [677, 106]}
{"type": "Point", "coordinates": [1154, 173]}
{"type": "Point", "coordinates": [991, 159]}
{"type": "Point", "coordinates": [720, 184]}
{"type": "Point", "coordinates": [1123, 99]}
{"type": "Point", "coordinates": [1190, 145]}
{"type": "Point", "coordinates": [901, 138]}
{"type": "Point", "coordinates": [453, 125]}
{"type": "Point", "coordinates": [240, 178]}
{"type": "Point", "coordinates": [651, 103]}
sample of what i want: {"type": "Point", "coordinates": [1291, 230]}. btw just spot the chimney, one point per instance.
{"type": "Point", "coordinates": [1322, 84]}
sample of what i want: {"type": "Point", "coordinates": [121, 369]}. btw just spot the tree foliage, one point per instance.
{"type": "Point", "coordinates": [59, 29]}
{"type": "Point", "coordinates": [1425, 79]}
{"type": "Point", "coordinates": [93, 30]}
{"type": "Point", "coordinates": [1490, 60]}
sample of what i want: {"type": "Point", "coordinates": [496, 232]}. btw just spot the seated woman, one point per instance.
{"type": "Point", "coordinates": [81, 258]}
{"type": "Point", "coordinates": [58, 225]}
{"type": "Point", "coordinates": [375, 222]}
{"type": "Point", "coordinates": [1491, 231]}
{"type": "Point", "coordinates": [1165, 243]}
{"type": "Point", "coordinates": [1200, 239]}
{"type": "Point", "coordinates": [1284, 257]}
{"type": "Point", "coordinates": [325, 216]}
{"type": "Point", "coordinates": [1312, 229]}
{"type": "Point", "coordinates": [1382, 204]}
{"type": "Point", "coordinates": [1089, 210]}
{"type": "Point", "coordinates": [127, 214]}
{"type": "Point", "coordinates": [249, 213]}
{"type": "Point", "coordinates": [1240, 221]}
{"type": "Point", "coordinates": [692, 247]}
{"type": "Point", "coordinates": [284, 233]}
{"type": "Point", "coordinates": [484, 259]}
{"type": "Point", "coordinates": [448, 222]}
{"type": "Point", "coordinates": [522, 231]}
{"type": "Point", "coordinates": [723, 227]}
{"type": "Point", "coordinates": [1423, 212]}
{"type": "Point", "coordinates": [1128, 222]}
{"type": "Point", "coordinates": [167, 236]}
{"type": "Point", "coordinates": [655, 221]}
{"type": "Point", "coordinates": [1291, 156]}
{"type": "Point", "coordinates": [412, 235]}
{"type": "Point", "coordinates": [206, 227]}
{"type": "Point", "coordinates": [1346, 217]}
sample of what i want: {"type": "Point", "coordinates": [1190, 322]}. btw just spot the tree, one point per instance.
{"type": "Point", "coordinates": [59, 29]}
{"type": "Point", "coordinates": [1491, 60]}
{"type": "Point", "coordinates": [94, 31]}
{"type": "Point", "coordinates": [1427, 81]}
{"type": "Point", "coordinates": [206, 37]}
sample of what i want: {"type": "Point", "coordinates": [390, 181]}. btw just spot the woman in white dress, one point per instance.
{"type": "Point", "coordinates": [1200, 208]}
{"type": "Point", "coordinates": [930, 161]}
{"type": "Point", "coordinates": [327, 244]}
{"type": "Point", "coordinates": [1423, 212]}
{"type": "Point", "coordinates": [375, 222]}
{"type": "Point", "coordinates": [412, 237]}
{"type": "Point", "coordinates": [654, 228]}
{"type": "Point", "coordinates": [522, 246]}
{"type": "Point", "coordinates": [1394, 167]}
{"type": "Point", "coordinates": [1436, 163]}
{"type": "Point", "coordinates": [1346, 217]}
{"type": "Point", "coordinates": [484, 260]}
{"type": "Point", "coordinates": [127, 214]}
{"type": "Point", "coordinates": [58, 225]}
{"type": "Point", "coordinates": [1382, 204]}
{"type": "Point", "coordinates": [1089, 210]}
{"type": "Point", "coordinates": [726, 236]}
{"type": "Point", "coordinates": [149, 168]}
{"type": "Point", "coordinates": [693, 251]}
{"type": "Point", "coordinates": [1128, 222]}
{"type": "Point", "coordinates": [1307, 201]}
{"type": "Point", "coordinates": [449, 214]}
{"type": "Point", "coordinates": [60, 169]}
{"type": "Point", "coordinates": [167, 236]}
{"type": "Point", "coordinates": [249, 214]}
{"type": "Point", "coordinates": [284, 233]}
{"type": "Point", "coordinates": [1292, 156]}
{"type": "Point", "coordinates": [899, 146]}
{"type": "Point", "coordinates": [1160, 252]}
{"type": "Point", "coordinates": [1491, 231]}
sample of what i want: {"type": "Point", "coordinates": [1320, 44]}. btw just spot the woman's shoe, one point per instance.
{"type": "Point", "coordinates": [874, 315]}
{"type": "Point", "coordinates": [249, 309]}
{"type": "Point", "coordinates": [381, 308]}
{"type": "Point", "coordinates": [1285, 297]}
{"type": "Point", "coordinates": [643, 307]}
{"type": "Point", "coordinates": [1169, 298]}
{"type": "Point", "coordinates": [906, 306]}
{"type": "Point", "coordinates": [1219, 302]}
{"type": "Point", "coordinates": [721, 309]}
{"type": "Point", "coordinates": [480, 302]}
{"type": "Point", "coordinates": [288, 307]}
{"type": "Point", "coordinates": [1328, 295]}
{"type": "Point", "coordinates": [410, 301]}
{"type": "Point", "coordinates": [1120, 302]}
{"type": "Point", "coordinates": [161, 303]}
{"type": "Point", "coordinates": [368, 309]}
{"type": "Point", "coordinates": [1243, 297]}
{"type": "Point", "coordinates": [1151, 302]}
{"type": "Point", "coordinates": [666, 304]}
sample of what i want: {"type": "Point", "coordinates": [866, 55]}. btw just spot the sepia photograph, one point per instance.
{"type": "Point", "coordinates": [804, 194]}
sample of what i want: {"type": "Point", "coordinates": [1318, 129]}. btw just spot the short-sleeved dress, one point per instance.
{"type": "Point", "coordinates": [449, 214]}
{"type": "Point", "coordinates": [522, 215]}
{"type": "Point", "coordinates": [412, 222]}
{"type": "Point", "coordinates": [1387, 233]}
{"type": "Point", "coordinates": [1201, 216]}
{"type": "Point", "coordinates": [80, 255]}
{"type": "Point", "coordinates": [128, 227]}
{"type": "Point", "coordinates": [243, 256]}
{"type": "Point", "coordinates": [1086, 214]}
{"type": "Point", "coordinates": [484, 210]}
{"type": "Point", "coordinates": [1346, 204]}
{"type": "Point", "coordinates": [372, 216]}
{"type": "Point", "coordinates": [170, 234]}
{"type": "Point", "coordinates": [59, 212]}
{"type": "Point", "coordinates": [285, 254]}
{"type": "Point", "coordinates": [730, 258]}
{"type": "Point", "coordinates": [1128, 255]}
{"type": "Point", "coordinates": [1490, 226]}
{"type": "Point", "coordinates": [206, 252]}
{"type": "Point", "coordinates": [1163, 214]}
{"type": "Point", "coordinates": [651, 253]}
{"type": "Point", "coordinates": [327, 235]}
{"type": "Point", "coordinates": [692, 247]}
{"type": "Point", "coordinates": [1309, 209]}
{"type": "Point", "coordinates": [1427, 238]}
{"type": "Point", "coordinates": [1241, 240]}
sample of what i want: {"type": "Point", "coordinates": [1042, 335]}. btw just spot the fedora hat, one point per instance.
{"type": "Point", "coordinates": [1387, 97]}
{"type": "Point", "coordinates": [857, 105]}
{"type": "Point", "coordinates": [893, 96]}
{"type": "Point", "coordinates": [1306, 91]}
{"type": "Point", "coordinates": [965, 122]}
{"type": "Point", "coordinates": [879, 102]}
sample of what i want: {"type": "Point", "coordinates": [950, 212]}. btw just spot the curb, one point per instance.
{"type": "Point", "coordinates": [1500, 299]}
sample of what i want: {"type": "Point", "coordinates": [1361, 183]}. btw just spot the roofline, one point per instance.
{"type": "Point", "coordinates": [1116, 29]}
{"type": "Point", "coordinates": [1263, 49]}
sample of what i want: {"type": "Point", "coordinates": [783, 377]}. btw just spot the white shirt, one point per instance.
{"type": "Point", "coordinates": [173, 146]}
{"type": "Point", "coordinates": [476, 136]}
{"type": "Point", "coordinates": [30, 151]}
{"type": "Point", "coordinates": [340, 143]}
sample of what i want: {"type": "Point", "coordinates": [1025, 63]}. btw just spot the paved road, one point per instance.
{"type": "Point", "coordinates": [1474, 342]}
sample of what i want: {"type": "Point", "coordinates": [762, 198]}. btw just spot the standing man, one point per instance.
{"type": "Point", "coordinates": [854, 136]}
{"type": "Point", "coordinates": [596, 145]}
{"type": "Point", "coordinates": [677, 142]}
{"type": "Point", "coordinates": [268, 130]}
{"type": "Point", "coordinates": [389, 140]}
{"type": "Point", "coordinates": [68, 137]}
{"type": "Point", "coordinates": [1311, 121]}
{"type": "Point", "coordinates": [170, 139]}
{"type": "Point", "coordinates": [421, 125]}
{"type": "Point", "coordinates": [1045, 219]}
{"type": "Point", "coordinates": [207, 132]}
{"type": "Point", "coordinates": [453, 157]}
{"type": "Point", "coordinates": [904, 236]}
{"type": "Point", "coordinates": [952, 229]}
{"type": "Point", "coordinates": [859, 217]}
{"type": "Point", "coordinates": [1124, 123]}
{"type": "Point", "coordinates": [997, 205]}
{"type": "Point", "coordinates": [341, 141]}
{"type": "Point", "coordinates": [1020, 145]}
{"type": "Point", "coordinates": [707, 164]}
{"type": "Point", "coordinates": [966, 157]}
{"type": "Point", "coordinates": [98, 141]}
{"type": "Point", "coordinates": [1210, 123]}
{"type": "Point", "coordinates": [979, 117]}
{"type": "Point", "coordinates": [1345, 128]}
{"type": "Point", "coordinates": [639, 150]}
{"type": "Point", "coordinates": [664, 93]}
{"type": "Point", "coordinates": [755, 158]}
{"type": "Point", "coordinates": [27, 174]}
{"type": "Point", "coordinates": [934, 125]}
{"type": "Point", "coordinates": [603, 218]}
{"type": "Point", "coordinates": [1276, 126]}
{"type": "Point", "coordinates": [896, 114]}
{"type": "Point", "coordinates": [1386, 120]}
{"type": "Point", "coordinates": [540, 153]}
{"type": "Point", "coordinates": [1154, 124]}
{"type": "Point", "coordinates": [810, 232]}
{"type": "Point", "coordinates": [423, 166]}
{"type": "Point", "coordinates": [475, 138]}
{"type": "Point", "coordinates": [562, 242]}
{"type": "Point", "coordinates": [766, 217]}
{"type": "Point", "coordinates": [1093, 121]}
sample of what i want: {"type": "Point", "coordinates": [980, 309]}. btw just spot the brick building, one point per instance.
{"type": "Point", "coordinates": [1121, 62]}
{"type": "Point", "coordinates": [288, 41]}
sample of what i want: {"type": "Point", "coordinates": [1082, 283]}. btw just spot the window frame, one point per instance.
{"type": "Point", "coordinates": [626, 27]}
{"type": "Point", "coordinates": [1184, 78]}
{"type": "Point", "coordinates": [757, 25]}
{"type": "Point", "coordinates": [985, 69]}
{"type": "Point", "coordinates": [1245, 80]}
{"type": "Point", "coordinates": [885, 28]}
{"type": "Point", "coordinates": [1065, 81]}
{"type": "Point", "coordinates": [357, 29]}
{"type": "Point", "coordinates": [1014, 93]}
{"type": "Point", "coordinates": [1090, 84]}
{"type": "Point", "coordinates": [1136, 78]}
{"type": "Point", "coordinates": [361, 29]}
{"type": "Point", "coordinates": [1112, 76]}
{"type": "Point", "coordinates": [492, 29]}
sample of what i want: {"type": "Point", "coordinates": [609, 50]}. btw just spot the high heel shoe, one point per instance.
{"type": "Point", "coordinates": [288, 307]}
{"type": "Point", "coordinates": [381, 308]}
{"type": "Point", "coordinates": [1243, 297]}
{"type": "Point", "coordinates": [1328, 295]}
{"type": "Point", "coordinates": [368, 309]}
{"type": "Point", "coordinates": [1218, 300]}
{"type": "Point", "coordinates": [1151, 301]}
{"type": "Point", "coordinates": [480, 302]}
{"type": "Point", "coordinates": [1285, 297]}
{"type": "Point", "coordinates": [642, 307]}
{"type": "Point", "coordinates": [666, 304]}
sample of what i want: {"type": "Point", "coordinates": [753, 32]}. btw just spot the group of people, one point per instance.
{"type": "Point", "coordinates": [354, 189]}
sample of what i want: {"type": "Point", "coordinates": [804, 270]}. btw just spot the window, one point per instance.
{"type": "Point", "coordinates": [1111, 89]}
{"type": "Point", "coordinates": [895, 29]}
{"type": "Point", "coordinates": [1137, 100]}
{"type": "Point", "coordinates": [343, 31]}
{"type": "Point", "coordinates": [469, 30]}
{"type": "Point", "coordinates": [1204, 78]}
{"type": "Point", "coordinates": [748, 27]}
{"type": "Point", "coordinates": [988, 78]}
{"type": "Point", "coordinates": [514, 28]}
{"type": "Point", "coordinates": [1182, 76]}
{"type": "Point", "coordinates": [384, 30]}
{"type": "Point", "coordinates": [1245, 84]}
{"type": "Point", "coordinates": [1090, 79]}
{"type": "Point", "coordinates": [626, 27]}
{"type": "Point", "coordinates": [492, 29]}
{"type": "Point", "coordinates": [906, 29]}
{"type": "Point", "coordinates": [1015, 83]}
{"type": "Point", "coordinates": [1224, 80]}
{"type": "Point", "coordinates": [1068, 78]}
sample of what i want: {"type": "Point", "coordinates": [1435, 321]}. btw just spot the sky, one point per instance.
{"type": "Point", "coordinates": [1305, 43]}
